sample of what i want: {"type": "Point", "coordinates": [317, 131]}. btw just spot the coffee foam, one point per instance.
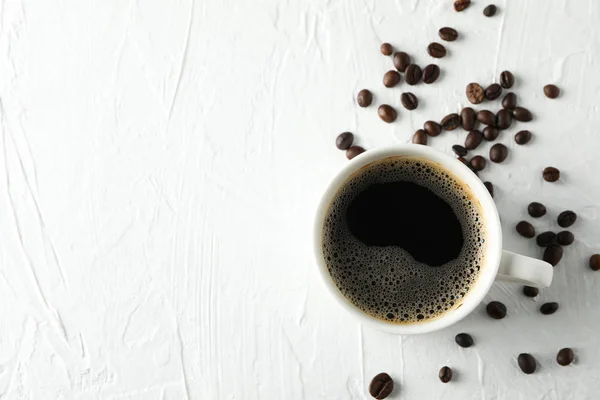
{"type": "Point", "coordinates": [386, 282]}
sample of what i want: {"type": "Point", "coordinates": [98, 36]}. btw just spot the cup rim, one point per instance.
{"type": "Point", "coordinates": [492, 223]}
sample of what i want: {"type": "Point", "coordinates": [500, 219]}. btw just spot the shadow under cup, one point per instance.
{"type": "Point", "coordinates": [404, 239]}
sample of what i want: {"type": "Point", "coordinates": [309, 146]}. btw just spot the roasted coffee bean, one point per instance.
{"type": "Point", "coordinates": [409, 101]}
{"type": "Point", "coordinates": [553, 254]}
{"type": "Point", "coordinates": [522, 137]}
{"type": "Point", "coordinates": [490, 133]}
{"type": "Point", "coordinates": [436, 50]}
{"type": "Point", "coordinates": [498, 153]}
{"type": "Point", "coordinates": [595, 262]}
{"type": "Point", "coordinates": [503, 119]}
{"type": "Point", "coordinates": [477, 163]}
{"type": "Point", "coordinates": [420, 137]}
{"type": "Point", "coordinates": [522, 114]}
{"type": "Point", "coordinates": [551, 174]}
{"type": "Point", "coordinates": [536, 209]}
{"type": "Point", "coordinates": [475, 93]}
{"type": "Point", "coordinates": [468, 118]}
{"type": "Point", "coordinates": [507, 79]}
{"type": "Point", "coordinates": [432, 128]}
{"type": "Point", "coordinates": [546, 239]}
{"type": "Point", "coordinates": [459, 150]}
{"type": "Point", "coordinates": [391, 78]}
{"type": "Point", "coordinates": [566, 219]}
{"type": "Point", "coordinates": [462, 160]}
{"type": "Point", "coordinates": [473, 140]}
{"type": "Point", "coordinates": [445, 374]}
{"type": "Point", "coordinates": [364, 98]}
{"type": "Point", "coordinates": [448, 34]}
{"type": "Point", "coordinates": [525, 229]}
{"type": "Point", "coordinates": [381, 386]}
{"type": "Point", "coordinates": [344, 140]}
{"type": "Point", "coordinates": [451, 122]}
{"type": "Point", "coordinates": [530, 291]}
{"type": "Point", "coordinates": [401, 60]}
{"type": "Point", "coordinates": [549, 308]}
{"type": "Point", "coordinates": [387, 113]}
{"type": "Point", "coordinates": [565, 238]}
{"type": "Point", "coordinates": [565, 356]}
{"type": "Point", "coordinates": [412, 75]}
{"type": "Point", "coordinates": [464, 340]}
{"type": "Point", "coordinates": [490, 10]}
{"type": "Point", "coordinates": [460, 5]}
{"type": "Point", "coordinates": [496, 310]}
{"type": "Point", "coordinates": [509, 102]}
{"type": "Point", "coordinates": [526, 363]}
{"type": "Point", "coordinates": [354, 151]}
{"type": "Point", "coordinates": [486, 117]}
{"type": "Point", "coordinates": [551, 91]}
{"type": "Point", "coordinates": [431, 73]}
{"type": "Point", "coordinates": [493, 91]}
{"type": "Point", "coordinates": [386, 49]}
{"type": "Point", "coordinates": [490, 187]}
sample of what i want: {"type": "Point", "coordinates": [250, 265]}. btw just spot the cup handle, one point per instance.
{"type": "Point", "coordinates": [525, 270]}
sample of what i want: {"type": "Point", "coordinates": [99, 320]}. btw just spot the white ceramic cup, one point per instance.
{"type": "Point", "coordinates": [498, 265]}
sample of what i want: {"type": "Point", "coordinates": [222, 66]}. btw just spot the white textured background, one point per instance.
{"type": "Point", "coordinates": [161, 161]}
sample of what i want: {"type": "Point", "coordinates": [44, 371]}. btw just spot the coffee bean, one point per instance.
{"type": "Point", "coordinates": [522, 137]}
{"type": "Point", "coordinates": [490, 187]}
{"type": "Point", "coordinates": [493, 91]}
{"type": "Point", "coordinates": [445, 374]}
{"type": "Point", "coordinates": [412, 75]}
{"type": "Point", "coordinates": [381, 386]}
{"type": "Point", "coordinates": [391, 78]}
{"type": "Point", "coordinates": [409, 101]}
{"type": "Point", "coordinates": [496, 310]}
{"type": "Point", "coordinates": [451, 122]}
{"type": "Point", "coordinates": [420, 137]}
{"type": "Point", "coordinates": [546, 239]}
{"type": "Point", "coordinates": [565, 356]}
{"type": "Point", "coordinates": [530, 291]}
{"type": "Point", "coordinates": [432, 128]}
{"type": "Point", "coordinates": [509, 101]}
{"type": "Point", "coordinates": [464, 340]}
{"type": "Point", "coordinates": [566, 219]}
{"type": "Point", "coordinates": [595, 262]}
{"type": "Point", "coordinates": [526, 363]}
{"type": "Point", "coordinates": [354, 151]}
{"type": "Point", "coordinates": [431, 73]}
{"type": "Point", "coordinates": [536, 209]}
{"type": "Point", "coordinates": [551, 91]}
{"type": "Point", "coordinates": [490, 133]}
{"type": "Point", "coordinates": [490, 10]}
{"type": "Point", "coordinates": [498, 153]}
{"type": "Point", "coordinates": [460, 5]}
{"type": "Point", "coordinates": [549, 308]}
{"type": "Point", "coordinates": [551, 174]}
{"type": "Point", "coordinates": [522, 114]}
{"type": "Point", "coordinates": [474, 93]}
{"type": "Point", "coordinates": [387, 113]}
{"type": "Point", "coordinates": [436, 50]}
{"type": "Point", "coordinates": [462, 160]}
{"type": "Point", "coordinates": [468, 118]}
{"type": "Point", "coordinates": [477, 163]}
{"type": "Point", "coordinates": [386, 49]}
{"type": "Point", "coordinates": [364, 98]}
{"type": "Point", "coordinates": [525, 229]}
{"type": "Point", "coordinates": [486, 117]}
{"type": "Point", "coordinates": [565, 238]}
{"type": "Point", "coordinates": [473, 140]}
{"type": "Point", "coordinates": [344, 140]}
{"type": "Point", "coordinates": [507, 79]}
{"type": "Point", "coordinates": [553, 254]}
{"type": "Point", "coordinates": [401, 60]}
{"type": "Point", "coordinates": [459, 150]}
{"type": "Point", "coordinates": [448, 34]}
{"type": "Point", "coordinates": [503, 119]}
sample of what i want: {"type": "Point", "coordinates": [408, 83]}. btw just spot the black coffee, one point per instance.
{"type": "Point", "coordinates": [404, 240]}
